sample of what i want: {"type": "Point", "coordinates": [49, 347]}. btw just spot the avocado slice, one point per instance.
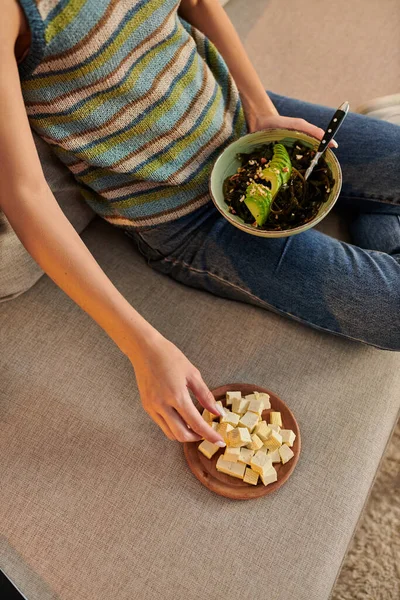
{"type": "Point", "coordinates": [273, 176]}
{"type": "Point", "coordinates": [258, 197]}
{"type": "Point", "coordinates": [279, 169]}
{"type": "Point", "coordinates": [258, 200]}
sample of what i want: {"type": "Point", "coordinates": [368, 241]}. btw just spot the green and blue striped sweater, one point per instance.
{"type": "Point", "coordinates": [133, 99]}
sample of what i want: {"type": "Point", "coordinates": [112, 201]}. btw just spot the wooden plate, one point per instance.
{"type": "Point", "coordinates": [231, 487]}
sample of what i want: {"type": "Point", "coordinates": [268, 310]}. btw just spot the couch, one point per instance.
{"type": "Point", "coordinates": [96, 503]}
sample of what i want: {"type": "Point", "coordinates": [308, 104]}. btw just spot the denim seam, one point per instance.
{"type": "Point", "coordinates": [270, 306]}
{"type": "Point", "coordinates": [282, 255]}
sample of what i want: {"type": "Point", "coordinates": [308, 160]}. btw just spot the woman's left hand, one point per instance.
{"type": "Point", "coordinates": [255, 123]}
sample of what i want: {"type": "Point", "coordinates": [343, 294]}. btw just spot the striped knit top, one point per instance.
{"type": "Point", "coordinates": [134, 100]}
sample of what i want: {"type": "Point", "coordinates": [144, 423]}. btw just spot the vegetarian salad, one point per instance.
{"type": "Point", "coordinates": [268, 190]}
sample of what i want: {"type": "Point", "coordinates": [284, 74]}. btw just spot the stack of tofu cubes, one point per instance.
{"type": "Point", "coordinates": [252, 445]}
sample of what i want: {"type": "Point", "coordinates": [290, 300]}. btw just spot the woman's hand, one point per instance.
{"type": "Point", "coordinates": [257, 122]}
{"type": "Point", "coordinates": [164, 376]}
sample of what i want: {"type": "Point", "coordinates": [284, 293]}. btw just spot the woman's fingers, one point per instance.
{"type": "Point", "coordinates": [161, 422]}
{"type": "Point", "coordinates": [196, 384]}
{"type": "Point", "coordinates": [190, 413]}
{"type": "Point", "coordinates": [178, 426]}
{"type": "Point", "coordinates": [191, 416]}
{"type": "Point", "coordinates": [179, 418]}
{"type": "Point", "coordinates": [164, 376]}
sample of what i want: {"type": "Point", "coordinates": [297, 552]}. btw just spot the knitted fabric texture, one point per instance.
{"type": "Point", "coordinates": [135, 101]}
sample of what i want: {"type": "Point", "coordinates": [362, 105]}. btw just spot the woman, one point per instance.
{"type": "Point", "coordinates": [138, 98]}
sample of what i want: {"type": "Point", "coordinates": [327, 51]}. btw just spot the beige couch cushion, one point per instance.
{"type": "Point", "coordinates": [18, 271]}
{"type": "Point", "coordinates": [96, 503]}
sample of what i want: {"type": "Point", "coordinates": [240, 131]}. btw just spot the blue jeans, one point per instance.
{"type": "Point", "coordinates": [351, 290]}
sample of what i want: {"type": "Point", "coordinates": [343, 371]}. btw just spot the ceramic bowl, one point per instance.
{"type": "Point", "coordinates": [227, 163]}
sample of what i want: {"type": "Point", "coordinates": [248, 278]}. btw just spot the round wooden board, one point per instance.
{"type": "Point", "coordinates": [231, 487]}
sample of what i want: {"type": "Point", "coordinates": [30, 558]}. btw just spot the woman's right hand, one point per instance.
{"type": "Point", "coordinates": [164, 376]}
{"type": "Point", "coordinates": [163, 373]}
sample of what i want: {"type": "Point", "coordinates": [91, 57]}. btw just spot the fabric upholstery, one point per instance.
{"type": "Point", "coordinates": [18, 271]}
{"type": "Point", "coordinates": [95, 502]}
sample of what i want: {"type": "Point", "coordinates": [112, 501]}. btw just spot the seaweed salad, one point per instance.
{"type": "Point", "coordinates": [269, 191]}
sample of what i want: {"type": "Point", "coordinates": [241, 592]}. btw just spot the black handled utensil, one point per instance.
{"type": "Point", "coordinates": [330, 132]}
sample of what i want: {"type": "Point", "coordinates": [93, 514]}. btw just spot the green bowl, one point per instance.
{"type": "Point", "coordinates": [227, 164]}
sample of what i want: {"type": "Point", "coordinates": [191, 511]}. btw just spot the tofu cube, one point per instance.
{"type": "Point", "coordinates": [208, 449]}
{"type": "Point", "coordinates": [256, 406]}
{"type": "Point", "coordinates": [208, 416]}
{"type": "Point", "coordinates": [288, 436]}
{"type": "Point", "coordinates": [285, 453]}
{"type": "Point", "coordinates": [231, 395]}
{"type": "Point", "coordinates": [239, 406]}
{"type": "Point", "coordinates": [240, 436]}
{"type": "Point", "coordinates": [246, 455]}
{"type": "Point", "coordinates": [274, 427]}
{"type": "Point", "coordinates": [223, 429]}
{"type": "Point", "coordinates": [274, 441]}
{"type": "Point", "coordinates": [223, 465]}
{"type": "Point", "coordinates": [260, 396]}
{"type": "Point", "coordinates": [260, 462]}
{"type": "Point", "coordinates": [234, 469]}
{"type": "Point", "coordinates": [221, 406]}
{"type": "Point", "coordinates": [249, 420]}
{"type": "Point", "coordinates": [231, 454]}
{"type": "Point", "coordinates": [275, 456]}
{"type": "Point", "coordinates": [251, 476]}
{"type": "Point", "coordinates": [237, 470]}
{"type": "Point", "coordinates": [265, 398]}
{"type": "Point", "coordinates": [230, 418]}
{"type": "Point", "coordinates": [269, 476]}
{"type": "Point", "coordinates": [275, 418]}
{"type": "Point", "coordinates": [256, 443]}
{"type": "Point", "coordinates": [263, 430]}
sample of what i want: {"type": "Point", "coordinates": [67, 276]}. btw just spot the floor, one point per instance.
{"type": "Point", "coordinates": [328, 52]}
{"type": "Point", "coordinates": [371, 570]}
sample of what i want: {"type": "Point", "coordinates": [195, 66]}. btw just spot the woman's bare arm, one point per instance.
{"type": "Point", "coordinates": [163, 373]}
{"type": "Point", "coordinates": [209, 17]}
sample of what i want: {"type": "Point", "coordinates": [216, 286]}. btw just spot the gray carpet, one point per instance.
{"type": "Point", "coordinates": [371, 570]}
